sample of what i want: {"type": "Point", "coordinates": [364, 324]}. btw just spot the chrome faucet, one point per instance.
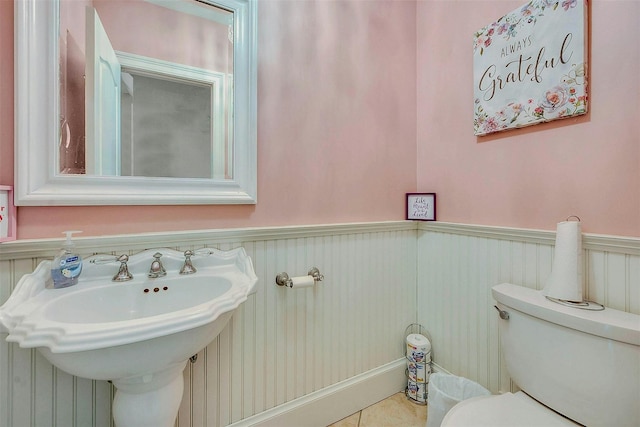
{"type": "Point", "coordinates": [187, 267]}
{"type": "Point", "coordinates": [157, 269]}
{"type": "Point", "coordinates": [123, 272]}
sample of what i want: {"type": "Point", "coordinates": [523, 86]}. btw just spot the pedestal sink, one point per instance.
{"type": "Point", "coordinates": [138, 333]}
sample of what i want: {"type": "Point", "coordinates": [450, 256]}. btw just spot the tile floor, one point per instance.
{"type": "Point", "coordinates": [394, 411]}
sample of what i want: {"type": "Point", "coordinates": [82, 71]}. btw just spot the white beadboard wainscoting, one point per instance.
{"type": "Point", "coordinates": [458, 265]}
{"type": "Point", "coordinates": [312, 356]}
{"type": "Point", "coordinates": [287, 357]}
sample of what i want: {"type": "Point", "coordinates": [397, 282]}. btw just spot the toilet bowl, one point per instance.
{"type": "Point", "coordinates": [504, 410]}
{"type": "Point", "coordinates": [573, 366]}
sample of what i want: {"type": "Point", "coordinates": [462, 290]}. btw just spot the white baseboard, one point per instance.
{"type": "Point", "coordinates": [437, 368]}
{"type": "Point", "coordinates": [333, 403]}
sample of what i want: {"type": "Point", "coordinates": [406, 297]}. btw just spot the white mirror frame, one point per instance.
{"type": "Point", "coordinates": [37, 112]}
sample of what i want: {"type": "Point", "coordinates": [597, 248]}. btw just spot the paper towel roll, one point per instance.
{"type": "Point", "coordinates": [566, 281]}
{"type": "Point", "coordinates": [302, 282]}
{"type": "Point", "coordinates": [418, 348]}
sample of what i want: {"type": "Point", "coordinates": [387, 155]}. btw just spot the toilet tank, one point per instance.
{"type": "Point", "coordinates": [583, 364]}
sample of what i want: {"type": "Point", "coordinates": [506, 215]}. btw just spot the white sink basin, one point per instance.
{"type": "Point", "coordinates": [96, 304]}
{"type": "Point", "coordinates": [138, 333]}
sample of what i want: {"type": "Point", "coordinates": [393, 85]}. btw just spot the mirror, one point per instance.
{"type": "Point", "coordinates": [117, 111]}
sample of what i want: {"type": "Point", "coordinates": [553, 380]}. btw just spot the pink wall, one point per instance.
{"type": "Point", "coordinates": [336, 125]}
{"type": "Point", "coordinates": [534, 177]}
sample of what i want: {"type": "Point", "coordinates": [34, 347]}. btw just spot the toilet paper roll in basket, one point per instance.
{"type": "Point", "coordinates": [418, 348]}
{"type": "Point", "coordinates": [417, 391]}
{"type": "Point", "coordinates": [566, 280]}
{"type": "Point", "coordinates": [419, 372]}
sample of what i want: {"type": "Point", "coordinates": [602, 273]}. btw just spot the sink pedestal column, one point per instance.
{"type": "Point", "coordinates": [150, 400]}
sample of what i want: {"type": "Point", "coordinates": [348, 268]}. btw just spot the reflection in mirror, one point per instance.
{"type": "Point", "coordinates": [136, 102]}
{"type": "Point", "coordinates": [164, 113]}
{"type": "Point", "coordinates": [158, 115]}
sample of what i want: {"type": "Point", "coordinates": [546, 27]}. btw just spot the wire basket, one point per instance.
{"type": "Point", "coordinates": [418, 367]}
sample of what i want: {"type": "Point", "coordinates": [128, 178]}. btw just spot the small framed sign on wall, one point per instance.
{"type": "Point", "coordinates": [421, 206]}
{"type": "Point", "coordinates": [7, 214]}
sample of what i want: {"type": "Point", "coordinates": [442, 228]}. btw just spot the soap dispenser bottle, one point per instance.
{"type": "Point", "coordinates": [67, 265]}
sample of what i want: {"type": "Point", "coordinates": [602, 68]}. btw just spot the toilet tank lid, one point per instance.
{"type": "Point", "coordinates": [609, 323]}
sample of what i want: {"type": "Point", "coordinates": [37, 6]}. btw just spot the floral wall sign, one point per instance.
{"type": "Point", "coordinates": [529, 66]}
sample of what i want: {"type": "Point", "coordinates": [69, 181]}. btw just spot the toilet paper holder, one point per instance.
{"type": "Point", "coordinates": [283, 278]}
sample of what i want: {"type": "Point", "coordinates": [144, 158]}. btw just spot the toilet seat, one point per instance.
{"type": "Point", "coordinates": [508, 410]}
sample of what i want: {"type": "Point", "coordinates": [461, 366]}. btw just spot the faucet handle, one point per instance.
{"type": "Point", "coordinates": [123, 272]}
{"type": "Point", "coordinates": [103, 259]}
{"type": "Point", "coordinates": [187, 267]}
{"type": "Point", "coordinates": [202, 252]}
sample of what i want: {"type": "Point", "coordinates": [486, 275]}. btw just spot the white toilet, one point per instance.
{"type": "Point", "coordinates": [573, 366]}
